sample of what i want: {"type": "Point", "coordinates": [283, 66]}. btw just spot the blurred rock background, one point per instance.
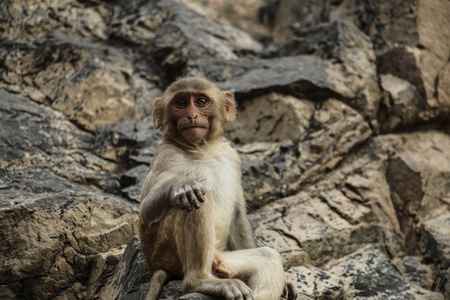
{"type": "Point", "coordinates": [343, 130]}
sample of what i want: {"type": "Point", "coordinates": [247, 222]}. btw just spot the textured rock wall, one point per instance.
{"type": "Point", "coordinates": [343, 130]}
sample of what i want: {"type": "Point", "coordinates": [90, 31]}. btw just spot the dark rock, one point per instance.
{"type": "Point", "coordinates": [368, 274]}
{"type": "Point", "coordinates": [406, 195]}
{"type": "Point", "coordinates": [128, 141]}
{"type": "Point", "coordinates": [132, 181]}
{"type": "Point", "coordinates": [244, 16]}
{"type": "Point", "coordinates": [415, 272]}
{"type": "Point", "coordinates": [42, 151]}
{"type": "Point", "coordinates": [178, 35]}
{"type": "Point", "coordinates": [400, 106]}
{"type": "Point", "coordinates": [435, 243]}
{"type": "Point", "coordinates": [302, 76]}
{"type": "Point", "coordinates": [343, 43]}
{"type": "Point", "coordinates": [131, 278]}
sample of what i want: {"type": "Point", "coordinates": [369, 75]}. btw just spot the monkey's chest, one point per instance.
{"type": "Point", "coordinates": [222, 181]}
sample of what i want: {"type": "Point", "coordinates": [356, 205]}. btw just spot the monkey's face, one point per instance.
{"type": "Point", "coordinates": [191, 112]}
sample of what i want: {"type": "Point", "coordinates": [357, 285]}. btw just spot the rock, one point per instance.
{"type": "Point", "coordinates": [131, 278]}
{"type": "Point", "coordinates": [424, 70]}
{"type": "Point", "coordinates": [420, 60]}
{"type": "Point", "coordinates": [294, 141]}
{"type": "Point", "coordinates": [343, 130]}
{"type": "Point", "coordinates": [132, 181]}
{"type": "Point", "coordinates": [340, 41]}
{"type": "Point", "coordinates": [302, 76]}
{"type": "Point", "coordinates": [307, 223]}
{"type": "Point", "coordinates": [401, 104]}
{"type": "Point", "coordinates": [93, 85]}
{"type": "Point", "coordinates": [280, 15]}
{"type": "Point", "coordinates": [128, 141]}
{"type": "Point", "coordinates": [41, 18]}
{"type": "Point", "coordinates": [48, 153]}
{"type": "Point", "coordinates": [243, 16]}
{"type": "Point", "coordinates": [368, 274]}
{"type": "Point", "coordinates": [311, 139]}
{"type": "Point", "coordinates": [343, 43]}
{"type": "Point", "coordinates": [315, 283]}
{"type": "Point", "coordinates": [415, 272]}
{"type": "Point", "coordinates": [364, 200]}
{"type": "Point", "coordinates": [398, 22]}
{"type": "Point", "coordinates": [406, 195]}
{"type": "Point", "coordinates": [435, 243]}
{"type": "Point", "coordinates": [443, 90]}
{"type": "Point", "coordinates": [50, 240]}
{"type": "Point", "coordinates": [178, 35]}
{"type": "Point", "coordinates": [102, 271]}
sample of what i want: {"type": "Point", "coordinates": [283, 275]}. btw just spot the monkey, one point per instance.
{"type": "Point", "coordinates": [193, 222]}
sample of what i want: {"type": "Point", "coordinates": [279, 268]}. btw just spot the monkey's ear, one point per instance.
{"type": "Point", "coordinates": [157, 114]}
{"type": "Point", "coordinates": [230, 107]}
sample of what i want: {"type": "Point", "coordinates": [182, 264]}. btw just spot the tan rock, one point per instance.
{"type": "Point", "coordinates": [51, 240]}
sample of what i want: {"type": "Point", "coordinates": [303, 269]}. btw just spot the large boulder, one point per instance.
{"type": "Point", "coordinates": [50, 240]}
{"type": "Point", "coordinates": [368, 274]}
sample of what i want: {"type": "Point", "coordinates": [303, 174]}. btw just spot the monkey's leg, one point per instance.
{"type": "Point", "coordinates": [195, 239]}
{"type": "Point", "coordinates": [261, 268]}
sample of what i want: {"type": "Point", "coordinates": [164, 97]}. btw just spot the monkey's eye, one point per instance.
{"type": "Point", "coordinates": [180, 103]}
{"type": "Point", "coordinates": [201, 101]}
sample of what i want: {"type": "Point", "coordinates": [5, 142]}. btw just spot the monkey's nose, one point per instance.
{"type": "Point", "coordinates": [192, 117]}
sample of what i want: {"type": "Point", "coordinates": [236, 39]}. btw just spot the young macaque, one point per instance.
{"type": "Point", "coordinates": [193, 219]}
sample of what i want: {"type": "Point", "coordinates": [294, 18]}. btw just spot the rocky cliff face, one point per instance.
{"type": "Point", "coordinates": [343, 130]}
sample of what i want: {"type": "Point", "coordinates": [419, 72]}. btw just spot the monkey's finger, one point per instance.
{"type": "Point", "coordinates": [233, 293]}
{"type": "Point", "coordinates": [192, 198]}
{"type": "Point", "coordinates": [199, 194]}
{"type": "Point", "coordinates": [245, 290]}
{"type": "Point", "coordinates": [184, 203]}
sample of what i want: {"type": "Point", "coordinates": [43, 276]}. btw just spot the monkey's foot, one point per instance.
{"type": "Point", "coordinates": [289, 292]}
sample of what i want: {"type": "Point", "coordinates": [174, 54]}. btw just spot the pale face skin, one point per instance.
{"type": "Point", "coordinates": [191, 113]}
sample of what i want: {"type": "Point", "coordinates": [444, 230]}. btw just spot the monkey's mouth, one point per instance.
{"type": "Point", "coordinates": [193, 126]}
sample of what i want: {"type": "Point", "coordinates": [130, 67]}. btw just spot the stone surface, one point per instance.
{"type": "Point", "coordinates": [435, 244]}
{"type": "Point", "coordinates": [401, 104]}
{"type": "Point", "coordinates": [310, 138]}
{"type": "Point", "coordinates": [90, 83]}
{"type": "Point", "coordinates": [342, 42]}
{"type": "Point", "coordinates": [342, 127]}
{"type": "Point", "coordinates": [368, 274]}
{"type": "Point", "coordinates": [315, 283]}
{"type": "Point", "coordinates": [42, 151]}
{"type": "Point", "coordinates": [415, 272]}
{"type": "Point", "coordinates": [50, 240]}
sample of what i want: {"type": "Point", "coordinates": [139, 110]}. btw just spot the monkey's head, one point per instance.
{"type": "Point", "coordinates": [192, 111]}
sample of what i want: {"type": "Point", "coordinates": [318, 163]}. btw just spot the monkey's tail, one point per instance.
{"type": "Point", "coordinates": [159, 278]}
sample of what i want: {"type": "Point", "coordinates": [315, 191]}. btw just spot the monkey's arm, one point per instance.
{"type": "Point", "coordinates": [167, 190]}
{"type": "Point", "coordinates": [241, 235]}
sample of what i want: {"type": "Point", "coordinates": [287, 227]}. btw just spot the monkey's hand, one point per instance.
{"type": "Point", "coordinates": [188, 196]}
